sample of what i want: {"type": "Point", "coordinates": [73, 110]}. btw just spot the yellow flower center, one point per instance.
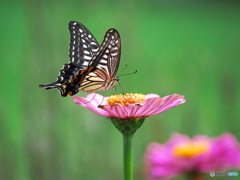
{"type": "Point", "coordinates": [191, 149]}
{"type": "Point", "coordinates": [126, 99]}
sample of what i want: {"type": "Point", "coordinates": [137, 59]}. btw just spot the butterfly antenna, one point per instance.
{"type": "Point", "coordinates": [128, 73]}
{"type": "Point", "coordinates": [123, 69]}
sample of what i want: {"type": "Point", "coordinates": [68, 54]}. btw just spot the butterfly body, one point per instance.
{"type": "Point", "coordinates": [92, 68]}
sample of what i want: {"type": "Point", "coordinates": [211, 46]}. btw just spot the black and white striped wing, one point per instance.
{"type": "Point", "coordinates": [103, 67]}
{"type": "Point", "coordinates": [83, 45]}
{"type": "Point", "coordinates": [108, 55]}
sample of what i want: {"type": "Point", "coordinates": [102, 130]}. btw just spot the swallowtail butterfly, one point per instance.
{"type": "Point", "coordinates": [92, 68]}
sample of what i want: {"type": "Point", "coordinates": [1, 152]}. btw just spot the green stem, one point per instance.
{"type": "Point", "coordinates": [127, 128]}
{"type": "Point", "coordinates": [127, 156]}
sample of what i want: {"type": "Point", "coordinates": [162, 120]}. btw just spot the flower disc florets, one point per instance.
{"type": "Point", "coordinates": [126, 99]}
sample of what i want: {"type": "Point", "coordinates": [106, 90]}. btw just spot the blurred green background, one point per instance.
{"type": "Point", "coordinates": [184, 47]}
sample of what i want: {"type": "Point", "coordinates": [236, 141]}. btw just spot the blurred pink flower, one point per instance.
{"type": "Point", "coordinates": [184, 155]}
{"type": "Point", "coordinates": [129, 106]}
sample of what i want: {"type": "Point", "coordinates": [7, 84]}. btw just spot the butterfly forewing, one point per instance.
{"type": "Point", "coordinates": [108, 55]}
{"type": "Point", "coordinates": [83, 45]}
{"type": "Point", "coordinates": [103, 67]}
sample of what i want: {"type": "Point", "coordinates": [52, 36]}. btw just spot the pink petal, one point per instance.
{"type": "Point", "coordinates": [149, 105]}
{"type": "Point", "coordinates": [177, 138]}
{"type": "Point", "coordinates": [111, 111]}
{"type": "Point", "coordinates": [169, 102]}
{"type": "Point", "coordinates": [90, 105]}
{"type": "Point", "coordinates": [224, 154]}
{"type": "Point", "coordinates": [121, 111]}
{"type": "Point", "coordinates": [161, 163]}
{"type": "Point", "coordinates": [133, 109]}
{"type": "Point", "coordinates": [96, 99]}
{"type": "Point", "coordinates": [159, 103]}
{"type": "Point", "coordinates": [80, 100]}
{"type": "Point", "coordinates": [148, 96]}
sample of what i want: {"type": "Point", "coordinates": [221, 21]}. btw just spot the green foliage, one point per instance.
{"type": "Point", "coordinates": [187, 48]}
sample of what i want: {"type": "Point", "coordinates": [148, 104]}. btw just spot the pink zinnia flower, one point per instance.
{"type": "Point", "coordinates": [198, 155]}
{"type": "Point", "coordinates": [129, 106]}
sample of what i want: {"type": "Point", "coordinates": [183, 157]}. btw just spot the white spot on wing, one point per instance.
{"type": "Point", "coordinates": [105, 56]}
{"type": "Point", "coordinates": [86, 52]}
{"type": "Point", "coordinates": [103, 61]}
{"type": "Point", "coordinates": [114, 54]}
{"type": "Point", "coordinates": [85, 63]}
{"type": "Point", "coordinates": [114, 51]}
{"type": "Point", "coordinates": [112, 43]}
{"type": "Point", "coordinates": [87, 57]}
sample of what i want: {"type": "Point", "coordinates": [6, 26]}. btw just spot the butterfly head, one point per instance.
{"type": "Point", "coordinates": [116, 79]}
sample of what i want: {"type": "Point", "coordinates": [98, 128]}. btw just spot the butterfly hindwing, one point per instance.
{"type": "Point", "coordinates": [108, 56]}
{"type": "Point", "coordinates": [64, 80]}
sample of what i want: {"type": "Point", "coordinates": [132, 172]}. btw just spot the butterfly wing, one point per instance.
{"type": "Point", "coordinates": [102, 69]}
{"type": "Point", "coordinates": [83, 46]}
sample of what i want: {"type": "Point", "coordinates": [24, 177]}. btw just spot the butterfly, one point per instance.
{"type": "Point", "coordinates": [92, 67]}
